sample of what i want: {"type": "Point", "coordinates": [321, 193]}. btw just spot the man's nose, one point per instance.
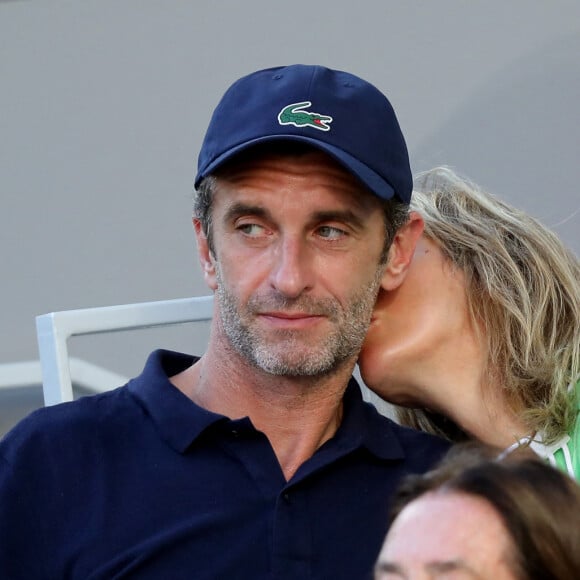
{"type": "Point", "coordinates": [292, 269]}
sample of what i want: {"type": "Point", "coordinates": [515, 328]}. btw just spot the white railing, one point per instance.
{"type": "Point", "coordinates": [53, 331]}
{"type": "Point", "coordinates": [83, 374]}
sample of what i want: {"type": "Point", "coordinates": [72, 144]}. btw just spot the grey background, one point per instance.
{"type": "Point", "coordinates": [103, 106]}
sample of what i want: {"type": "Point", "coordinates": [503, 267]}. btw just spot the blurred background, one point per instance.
{"type": "Point", "coordinates": [104, 103]}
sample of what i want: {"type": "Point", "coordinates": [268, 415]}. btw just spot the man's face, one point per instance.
{"type": "Point", "coordinates": [297, 248]}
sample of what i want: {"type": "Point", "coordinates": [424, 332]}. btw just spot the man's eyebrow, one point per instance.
{"type": "Point", "coordinates": [389, 568]}
{"type": "Point", "coordinates": [346, 216]}
{"type": "Point", "coordinates": [238, 209]}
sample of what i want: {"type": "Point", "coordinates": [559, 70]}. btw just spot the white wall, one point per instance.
{"type": "Point", "coordinates": [103, 106]}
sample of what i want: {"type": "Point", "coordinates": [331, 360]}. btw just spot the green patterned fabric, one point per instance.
{"type": "Point", "coordinates": [568, 456]}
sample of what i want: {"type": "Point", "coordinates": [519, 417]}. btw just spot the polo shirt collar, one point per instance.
{"type": "Point", "coordinates": [177, 418]}
{"type": "Point", "coordinates": [363, 426]}
{"type": "Point", "coordinates": [180, 421]}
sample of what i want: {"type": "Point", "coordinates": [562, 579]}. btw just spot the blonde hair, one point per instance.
{"type": "Point", "coordinates": [523, 292]}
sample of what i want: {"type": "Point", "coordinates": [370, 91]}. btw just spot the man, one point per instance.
{"type": "Point", "coordinates": [258, 460]}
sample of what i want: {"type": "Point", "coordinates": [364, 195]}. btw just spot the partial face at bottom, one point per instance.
{"type": "Point", "coordinates": [451, 536]}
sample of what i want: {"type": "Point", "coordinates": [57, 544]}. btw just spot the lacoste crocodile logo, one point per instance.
{"type": "Point", "coordinates": [295, 115]}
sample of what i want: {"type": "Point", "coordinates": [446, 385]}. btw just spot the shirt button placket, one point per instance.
{"type": "Point", "coordinates": [292, 541]}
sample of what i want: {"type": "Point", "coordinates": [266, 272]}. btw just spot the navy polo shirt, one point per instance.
{"type": "Point", "coordinates": [140, 482]}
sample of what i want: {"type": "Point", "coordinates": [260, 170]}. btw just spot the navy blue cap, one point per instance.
{"type": "Point", "coordinates": [335, 111]}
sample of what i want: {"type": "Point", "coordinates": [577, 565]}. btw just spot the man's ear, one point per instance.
{"type": "Point", "coordinates": [206, 258]}
{"type": "Point", "coordinates": [401, 252]}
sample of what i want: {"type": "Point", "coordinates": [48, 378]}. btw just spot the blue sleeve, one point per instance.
{"type": "Point", "coordinates": [21, 544]}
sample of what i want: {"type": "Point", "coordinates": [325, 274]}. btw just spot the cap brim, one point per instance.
{"type": "Point", "coordinates": [367, 176]}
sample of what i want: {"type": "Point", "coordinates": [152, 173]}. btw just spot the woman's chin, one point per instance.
{"type": "Point", "coordinates": [395, 394]}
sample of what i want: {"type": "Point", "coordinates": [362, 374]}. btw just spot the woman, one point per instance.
{"type": "Point", "coordinates": [522, 523]}
{"type": "Point", "coordinates": [482, 338]}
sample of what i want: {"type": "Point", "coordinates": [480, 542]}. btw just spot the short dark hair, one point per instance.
{"type": "Point", "coordinates": [539, 505]}
{"type": "Point", "coordinates": [396, 213]}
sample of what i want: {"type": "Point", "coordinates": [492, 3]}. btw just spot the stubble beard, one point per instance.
{"type": "Point", "coordinates": [294, 353]}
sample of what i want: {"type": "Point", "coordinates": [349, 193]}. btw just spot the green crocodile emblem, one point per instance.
{"type": "Point", "coordinates": [295, 115]}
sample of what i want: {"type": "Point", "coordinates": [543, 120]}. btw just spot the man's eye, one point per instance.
{"type": "Point", "coordinates": [251, 229]}
{"type": "Point", "coordinates": [330, 233]}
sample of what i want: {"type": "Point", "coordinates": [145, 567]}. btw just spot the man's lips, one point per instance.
{"type": "Point", "coordinates": [290, 315]}
{"type": "Point", "coordinates": [291, 319]}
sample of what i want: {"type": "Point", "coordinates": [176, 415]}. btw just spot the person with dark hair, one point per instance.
{"type": "Point", "coordinates": [235, 464]}
{"type": "Point", "coordinates": [508, 517]}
